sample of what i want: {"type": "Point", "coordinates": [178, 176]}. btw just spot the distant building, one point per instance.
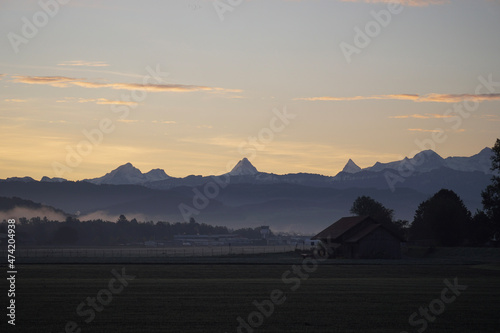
{"type": "Point", "coordinates": [265, 231]}
{"type": "Point", "coordinates": [211, 240]}
{"type": "Point", "coordinates": [361, 237]}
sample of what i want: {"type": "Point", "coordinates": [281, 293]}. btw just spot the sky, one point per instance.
{"type": "Point", "coordinates": [193, 86]}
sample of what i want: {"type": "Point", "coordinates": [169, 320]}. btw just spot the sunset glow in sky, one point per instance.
{"type": "Point", "coordinates": [192, 86]}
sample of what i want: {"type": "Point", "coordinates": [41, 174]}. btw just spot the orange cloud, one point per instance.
{"type": "Point", "coordinates": [107, 101]}
{"type": "Point", "coordinates": [64, 82]}
{"type": "Point", "coordinates": [104, 101]}
{"type": "Point", "coordinates": [359, 98]}
{"type": "Point", "coordinates": [164, 122]}
{"type": "Point", "coordinates": [422, 116]}
{"type": "Point", "coordinates": [15, 100]}
{"type": "Point", "coordinates": [54, 81]}
{"type": "Point", "coordinates": [456, 98]}
{"type": "Point", "coordinates": [424, 130]}
{"type": "Point", "coordinates": [84, 63]}
{"type": "Point", "coordinates": [128, 121]}
{"type": "Point", "coordinates": [437, 98]}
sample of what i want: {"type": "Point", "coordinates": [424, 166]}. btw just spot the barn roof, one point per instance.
{"type": "Point", "coordinates": [340, 227]}
{"type": "Point", "coordinates": [362, 233]}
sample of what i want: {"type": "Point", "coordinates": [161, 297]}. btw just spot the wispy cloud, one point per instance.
{"type": "Point", "coordinates": [107, 101]}
{"type": "Point", "coordinates": [15, 100]}
{"type": "Point", "coordinates": [456, 98]}
{"type": "Point", "coordinates": [490, 117]}
{"type": "Point", "coordinates": [436, 130]}
{"type": "Point", "coordinates": [71, 69]}
{"type": "Point", "coordinates": [411, 97]}
{"type": "Point", "coordinates": [437, 98]}
{"type": "Point", "coordinates": [424, 130]}
{"type": "Point", "coordinates": [64, 82]}
{"type": "Point", "coordinates": [54, 81]}
{"type": "Point", "coordinates": [164, 122]}
{"type": "Point", "coordinates": [82, 63]}
{"type": "Point", "coordinates": [104, 101]}
{"type": "Point", "coordinates": [422, 116]}
{"type": "Point", "coordinates": [128, 121]}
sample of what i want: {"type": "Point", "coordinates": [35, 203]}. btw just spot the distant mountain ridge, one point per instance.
{"type": "Point", "coordinates": [428, 160]}
{"type": "Point", "coordinates": [422, 162]}
{"type": "Point", "coordinates": [298, 201]}
{"type": "Point", "coordinates": [127, 174]}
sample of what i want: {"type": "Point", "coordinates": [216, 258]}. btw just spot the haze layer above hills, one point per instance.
{"type": "Point", "coordinates": [246, 197]}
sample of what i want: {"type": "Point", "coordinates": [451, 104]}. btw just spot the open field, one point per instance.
{"type": "Point", "coordinates": [210, 298]}
{"type": "Point", "coordinates": [136, 254]}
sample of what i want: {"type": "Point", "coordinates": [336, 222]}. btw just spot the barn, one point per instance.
{"type": "Point", "coordinates": [361, 237]}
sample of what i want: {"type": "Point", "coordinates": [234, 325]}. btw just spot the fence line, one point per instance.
{"type": "Point", "coordinates": [157, 252]}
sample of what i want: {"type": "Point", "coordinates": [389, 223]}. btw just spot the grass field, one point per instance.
{"type": "Point", "coordinates": [210, 298]}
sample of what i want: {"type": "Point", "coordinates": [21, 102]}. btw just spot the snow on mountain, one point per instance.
{"type": "Point", "coordinates": [52, 180]}
{"type": "Point", "coordinates": [351, 167]}
{"type": "Point", "coordinates": [155, 175]}
{"type": "Point", "coordinates": [425, 161]}
{"type": "Point", "coordinates": [127, 174]}
{"type": "Point", "coordinates": [479, 162]}
{"type": "Point", "coordinates": [243, 168]}
{"type": "Point", "coordinates": [429, 160]}
{"type": "Point", "coordinates": [20, 179]}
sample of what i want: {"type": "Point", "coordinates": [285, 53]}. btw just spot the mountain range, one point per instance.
{"type": "Point", "coordinates": [423, 162]}
{"type": "Point", "coordinates": [245, 196]}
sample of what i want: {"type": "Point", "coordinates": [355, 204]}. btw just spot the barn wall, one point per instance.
{"type": "Point", "coordinates": [356, 229]}
{"type": "Point", "coordinates": [379, 244]}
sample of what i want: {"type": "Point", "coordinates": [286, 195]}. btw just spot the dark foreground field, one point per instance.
{"type": "Point", "coordinates": [210, 298]}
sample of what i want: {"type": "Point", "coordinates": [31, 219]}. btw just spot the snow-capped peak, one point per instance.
{"type": "Point", "coordinates": [156, 174]}
{"type": "Point", "coordinates": [124, 174]}
{"type": "Point", "coordinates": [127, 174]}
{"type": "Point", "coordinates": [351, 167]}
{"type": "Point", "coordinates": [244, 168]}
{"type": "Point", "coordinates": [52, 180]}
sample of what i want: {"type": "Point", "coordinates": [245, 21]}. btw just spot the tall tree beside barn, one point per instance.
{"type": "Point", "coordinates": [365, 205]}
{"type": "Point", "coordinates": [491, 195]}
{"type": "Point", "coordinates": [442, 218]}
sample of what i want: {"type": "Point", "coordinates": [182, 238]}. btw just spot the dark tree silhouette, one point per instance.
{"type": "Point", "coordinates": [480, 229]}
{"type": "Point", "coordinates": [491, 195]}
{"type": "Point", "coordinates": [66, 235]}
{"type": "Point", "coordinates": [365, 205]}
{"type": "Point", "coordinates": [122, 219]}
{"type": "Point", "coordinates": [442, 218]}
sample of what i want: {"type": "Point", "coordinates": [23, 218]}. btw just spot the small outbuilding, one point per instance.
{"type": "Point", "coordinates": [361, 237]}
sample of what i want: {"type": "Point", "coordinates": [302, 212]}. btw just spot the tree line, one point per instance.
{"type": "Point", "coordinates": [443, 219]}
{"type": "Point", "coordinates": [43, 232]}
